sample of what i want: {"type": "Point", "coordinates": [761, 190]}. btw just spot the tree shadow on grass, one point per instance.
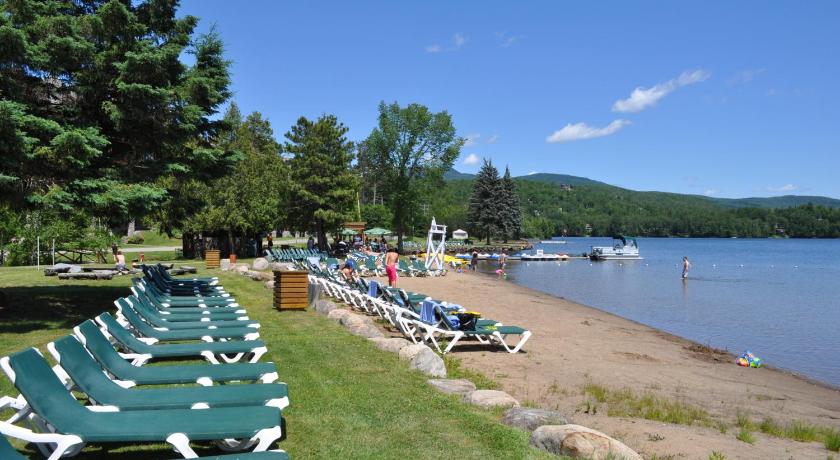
{"type": "Point", "coordinates": [31, 308]}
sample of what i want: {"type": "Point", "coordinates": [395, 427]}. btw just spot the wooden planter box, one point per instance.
{"type": "Point", "coordinates": [291, 289]}
{"type": "Point", "coordinates": [211, 258]}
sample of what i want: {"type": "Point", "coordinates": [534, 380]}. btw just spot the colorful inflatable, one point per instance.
{"type": "Point", "coordinates": [748, 360]}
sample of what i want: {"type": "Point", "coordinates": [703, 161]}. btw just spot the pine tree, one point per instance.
{"type": "Point", "coordinates": [511, 214]}
{"type": "Point", "coordinates": [97, 111]}
{"type": "Point", "coordinates": [485, 204]}
{"type": "Point", "coordinates": [323, 184]}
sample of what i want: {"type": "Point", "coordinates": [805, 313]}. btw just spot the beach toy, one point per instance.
{"type": "Point", "coordinates": [748, 359]}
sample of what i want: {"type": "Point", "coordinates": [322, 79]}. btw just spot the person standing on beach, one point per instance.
{"type": "Point", "coordinates": [474, 260]}
{"type": "Point", "coordinates": [269, 241]}
{"type": "Point", "coordinates": [114, 250]}
{"type": "Point", "coordinates": [310, 243]}
{"type": "Point", "coordinates": [391, 259]}
{"type": "Point", "coordinates": [502, 260]}
{"type": "Point", "coordinates": [686, 267]}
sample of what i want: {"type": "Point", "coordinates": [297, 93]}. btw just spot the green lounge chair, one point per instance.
{"type": "Point", "coordinates": [197, 314]}
{"type": "Point", "coordinates": [174, 321]}
{"type": "Point", "coordinates": [129, 375]}
{"type": "Point", "coordinates": [484, 333]}
{"type": "Point", "coordinates": [166, 300]}
{"type": "Point", "coordinates": [87, 376]}
{"type": "Point", "coordinates": [151, 335]}
{"type": "Point", "coordinates": [7, 452]}
{"type": "Point", "coordinates": [211, 351]}
{"type": "Point", "coordinates": [51, 407]}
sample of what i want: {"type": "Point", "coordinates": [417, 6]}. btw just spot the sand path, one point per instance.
{"type": "Point", "coordinates": [574, 345]}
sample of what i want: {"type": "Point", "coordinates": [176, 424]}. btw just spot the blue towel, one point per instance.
{"type": "Point", "coordinates": [427, 312]}
{"type": "Point", "coordinates": [373, 289]}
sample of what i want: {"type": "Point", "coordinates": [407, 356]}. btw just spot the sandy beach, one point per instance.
{"type": "Point", "coordinates": [574, 345]}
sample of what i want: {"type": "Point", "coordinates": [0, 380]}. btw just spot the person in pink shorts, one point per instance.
{"type": "Point", "coordinates": [391, 259]}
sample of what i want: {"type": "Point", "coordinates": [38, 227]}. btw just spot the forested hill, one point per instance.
{"type": "Point", "coordinates": [785, 201]}
{"type": "Point", "coordinates": [595, 208]}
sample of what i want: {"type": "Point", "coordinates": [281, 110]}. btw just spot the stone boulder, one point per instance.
{"type": "Point", "coordinates": [256, 276]}
{"type": "Point", "coordinates": [453, 386]}
{"type": "Point", "coordinates": [580, 442]}
{"type": "Point", "coordinates": [282, 266]}
{"type": "Point", "coordinates": [241, 268]}
{"type": "Point", "coordinates": [352, 320]}
{"type": "Point", "coordinates": [338, 314]}
{"type": "Point", "coordinates": [225, 265]}
{"type": "Point", "coordinates": [392, 344]}
{"type": "Point", "coordinates": [407, 353]}
{"type": "Point", "coordinates": [260, 263]}
{"type": "Point", "coordinates": [365, 330]}
{"type": "Point", "coordinates": [429, 363]}
{"type": "Point", "coordinates": [324, 306]}
{"type": "Point", "coordinates": [269, 284]}
{"type": "Point", "coordinates": [530, 419]}
{"type": "Point", "coordinates": [490, 398]}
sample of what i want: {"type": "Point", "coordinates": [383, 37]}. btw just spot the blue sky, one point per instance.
{"type": "Point", "coordinates": [728, 99]}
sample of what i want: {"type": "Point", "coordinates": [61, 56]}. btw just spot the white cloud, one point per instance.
{"type": "Point", "coordinates": [783, 188]}
{"type": "Point", "coordinates": [493, 139]}
{"type": "Point", "coordinates": [506, 40]}
{"type": "Point", "coordinates": [579, 131]}
{"type": "Point", "coordinates": [471, 139]}
{"type": "Point", "coordinates": [746, 76]}
{"type": "Point", "coordinates": [471, 160]}
{"type": "Point", "coordinates": [459, 40]}
{"type": "Point", "coordinates": [533, 172]}
{"type": "Point", "coordinates": [710, 192]}
{"type": "Point", "coordinates": [642, 98]}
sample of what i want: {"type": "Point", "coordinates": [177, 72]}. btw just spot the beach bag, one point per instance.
{"type": "Point", "coordinates": [468, 320]}
{"type": "Point", "coordinates": [373, 289]}
{"type": "Point", "coordinates": [454, 322]}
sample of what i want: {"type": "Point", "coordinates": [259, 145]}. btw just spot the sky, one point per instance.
{"type": "Point", "coordinates": [717, 98]}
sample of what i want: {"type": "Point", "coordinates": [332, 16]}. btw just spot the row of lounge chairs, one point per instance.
{"type": "Point", "coordinates": [291, 255]}
{"type": "Point", "coordinates": [125, 400]}
{"type": "Point", "coordinates": [370, 265]}
{"type": "Point", "coordinates": [419, 317]}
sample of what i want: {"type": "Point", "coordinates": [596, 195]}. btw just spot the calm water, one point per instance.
{"type": "Point", "coordinates": [779, 299]}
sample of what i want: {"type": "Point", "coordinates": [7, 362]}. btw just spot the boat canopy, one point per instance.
{"type": "Point", "coordinates": [625, 239]}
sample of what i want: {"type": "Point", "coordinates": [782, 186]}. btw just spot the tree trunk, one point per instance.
{"type": "Point", "coordinates": [231, 246]}
{"type": "Point", "coordinates": [400, 230]}
{"type": "Point", "coordinates": [488, 236]}
{"type": "Point", "coordinates": [188, 245]}
{"type": "Point", "coordinates": [322, 236]}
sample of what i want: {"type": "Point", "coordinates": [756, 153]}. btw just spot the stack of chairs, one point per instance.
{"type": "Point", "coordinates": [125, 400]}
{"type": "Point", "coordinates": [417, 316]}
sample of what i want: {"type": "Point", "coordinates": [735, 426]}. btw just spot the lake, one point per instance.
{"type": "Point", "coordinates": [779, 298]}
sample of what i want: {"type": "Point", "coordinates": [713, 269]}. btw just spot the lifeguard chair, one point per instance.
{"type": "Point", "coordinates": [436, 250]}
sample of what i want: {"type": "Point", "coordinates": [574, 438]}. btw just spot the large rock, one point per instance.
{"type": "Point", "coordinates": [269, 284]}
{"type": "Point", "coordinates": [260, 263]}
{"type": "Point", "coordinates": [530, 419]}
{"type": "Point", "coordinates": [580, 442]}
{"type": "Point", "coordinates": [429, 363]}
{"type": "Point", "coordinates": [352, 320]}
{"type": "Point", "coordinates": [408, 353]}
{"type": "Point", "coordinates": [282, 266]}
{"type": "Point", "coordinates": [225, 265]}
{"type": "Point", "coordinates": [490, 398]}
{"type": "Point", "coordinates": [338, 314]}
{"type": "Point", "coordinates": [324, 306]}
{"type": "Point", "coordinates": [256, 276]}
{"type": "Point", "coordinates": [241, 268]}
{"type": "Point", "coordinates": [453, 386]}
{"type": "Point", "coordinates": [392, 344]}
{"type": "Point", "coordinates": [365, 330]}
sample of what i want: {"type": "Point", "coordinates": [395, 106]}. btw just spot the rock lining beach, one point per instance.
{"type": "Point", "coordinates": [574, 345]}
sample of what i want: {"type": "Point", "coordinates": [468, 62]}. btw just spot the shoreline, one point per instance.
{"type": "Point", "coordinates": [574, 345]}
{"type": "Point", "coordinates": [792, 373]}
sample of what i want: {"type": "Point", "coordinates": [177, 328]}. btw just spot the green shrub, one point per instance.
{"type": "Point", "coordinates": [832, 440]}
{"type": "Point", "coordinates": [746, 436]}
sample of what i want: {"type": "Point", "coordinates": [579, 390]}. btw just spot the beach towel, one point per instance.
{"type": "Point", "coordinates": [373, 288]}
{"type": "Point", "coordinates": [427, 312]}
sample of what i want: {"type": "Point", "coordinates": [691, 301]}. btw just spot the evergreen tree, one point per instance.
{"type": "Point", "coordinates": [509, 208]}
{"type": "Point", "coordinates": [409, 150]}
{"type": "Point", "coordinates": [96, 108]}
{"type": "Point", "coordinates": [252, 199]}
{"type": "Point", "coordinates": [324, 186]}
{"type": "Point", "coordinates": [485, 214]}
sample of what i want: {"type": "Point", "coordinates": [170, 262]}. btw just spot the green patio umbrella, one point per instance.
{"type": "Point", "coordinates": [377, 232]}
{"type": "Point", "coordinates": [348, 232]}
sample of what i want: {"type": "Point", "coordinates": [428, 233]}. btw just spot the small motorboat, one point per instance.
{"type": "Point", "coordinates": [623, 248]}
{"type": "Point", "coordinates": [540, 255]}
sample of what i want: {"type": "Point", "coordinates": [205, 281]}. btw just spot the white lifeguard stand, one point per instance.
{"type": "Point", "coordinates": [435, 251]}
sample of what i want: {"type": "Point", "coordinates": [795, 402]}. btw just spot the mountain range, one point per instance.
{"type": "Point", "coordinates": [784, 201]}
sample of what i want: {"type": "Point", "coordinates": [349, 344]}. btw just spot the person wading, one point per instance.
{"type": "Point", "coordinates": [391, 259]}
{"type": "Point", "coordinates": [686, 267]}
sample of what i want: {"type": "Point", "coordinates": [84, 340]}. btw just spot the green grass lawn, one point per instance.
{"type": "Point", "coordinates": [348, 399]}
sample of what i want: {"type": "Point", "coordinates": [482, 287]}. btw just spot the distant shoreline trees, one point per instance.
{"type": "Point", "coordinates": [494, 204]}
